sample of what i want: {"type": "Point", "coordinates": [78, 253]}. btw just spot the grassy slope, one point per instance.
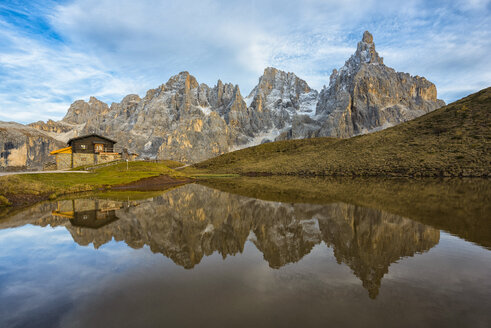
{"type": "Point", "coordinates": [451, 141]}
{"type": "Point", "coordinates": [168, 163]}
{"type": "Point", "coordinates": [47, 184]}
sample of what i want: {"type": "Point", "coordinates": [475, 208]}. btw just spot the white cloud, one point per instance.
{"type": "Point", "coordinates": [110, 48]}
{"type": "Point", "coordinates": [41, 80]}
{"type": "Point", "coordinates": [474, 4]}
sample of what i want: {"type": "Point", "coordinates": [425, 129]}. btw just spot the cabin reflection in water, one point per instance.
{"type": "Point", "coordinates": [88, 213]}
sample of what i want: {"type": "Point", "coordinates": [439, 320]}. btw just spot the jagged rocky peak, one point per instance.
{"type": "Point", "coordinates": [274, 79]}
{"type": "Point", "coordinates": [130, 100]}
{"type": "Point", "coordinates": [365, 54]}
{"type": "Point", "coordinates": [51, 126]}
{"type": "Point", "coordinates": [366, 50]}
{"type": "Point", "coordinates": [278, 98]}
{"type": "Point", "coordinates": [367, 37]}
{"type": "Point", "coordinates": [365, 95]}
{"type": "Point", "coordinates": [281, 90]}
{"type": "Point", "coordinates": [184, 92]}
{"type": "Point", "coordinates": [182, 81]}
{"type": "Point", "coordinates": [218, 97]}
{"type": "Point", "coordinates": [81, 111]}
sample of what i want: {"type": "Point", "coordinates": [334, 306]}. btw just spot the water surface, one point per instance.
{"type": "Point", "coordinates": [196, 255]}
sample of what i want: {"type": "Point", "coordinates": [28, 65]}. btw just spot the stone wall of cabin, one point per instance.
{"type": "Point", "coordinates": [65, 206]}
{"type": "Point", "coordinates": [80, 159]}
{"type": "Point", "coordinates": [63, 161]}
{"type": "Point", "coordinates": [82, 205]}
{"type": "Point", "coordinates": [50, 166]}
{"type": "Point", "coordinates": [66, 161]}
{"type": "Point", "coordinates": [107, 157]}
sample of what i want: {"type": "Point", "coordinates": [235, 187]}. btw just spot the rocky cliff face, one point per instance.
{"type": "Point", "coordinates": [189, 122]}
{"type": "Point", "coordinates": [365, 96]}
{"type": "Point", "coordinates": [181, 120]}
{"type": "Point", "coordinates": [284, 96]}
{"type": "Point", "coordinates": [23, 147]}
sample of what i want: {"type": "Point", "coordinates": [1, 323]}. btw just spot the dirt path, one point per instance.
{"type": "Point", "coordinates": [160, 182]}
{"type": "Point", "coordinates": [39, 172]}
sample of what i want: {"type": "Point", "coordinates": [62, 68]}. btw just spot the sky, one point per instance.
{"type": "Point", "coordinates": [55, 52]}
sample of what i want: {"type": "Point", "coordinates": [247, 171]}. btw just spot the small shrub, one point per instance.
{"type": "Point", "coordinates": [4, 201]}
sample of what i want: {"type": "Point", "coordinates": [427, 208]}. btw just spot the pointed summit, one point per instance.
{"type": "Point", "coordinates": [280, 83]}
{"type": "Point", "coordinates": [183, 80]}
{"type": "Point", "coordinates": [367, 37]}
{"type": "Point", "coordinates": [366, 52]}
{"type": "Point", "coordinates": [284, 94]}
{"type": "Point", "coordinates": [365, 95]}
{"type": "Point", "coordinates": [81, 112]}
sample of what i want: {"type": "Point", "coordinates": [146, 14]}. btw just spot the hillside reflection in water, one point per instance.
{"type": "Point", "coordinates": [193, 222]}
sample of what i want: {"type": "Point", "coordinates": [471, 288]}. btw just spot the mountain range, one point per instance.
{"type": "Point", "coordinates": [187, 121]}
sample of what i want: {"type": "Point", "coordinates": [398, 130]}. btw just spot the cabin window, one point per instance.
{"type": "Point", "coordinates": [99, 148]}
{"type": "Point", "coordinates": [83, 146]}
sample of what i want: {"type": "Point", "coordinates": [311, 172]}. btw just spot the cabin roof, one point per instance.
{"type": "Point", "coordinates": [66, 150]}
{"type": "Point", "coordinates": [88, 136]}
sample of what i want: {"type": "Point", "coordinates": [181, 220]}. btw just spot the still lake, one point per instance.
{"type": "Point", "coordinates": [203, 256]}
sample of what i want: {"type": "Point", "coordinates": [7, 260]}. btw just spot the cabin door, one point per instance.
{"type": "Point", "coordinates": [99, 148]}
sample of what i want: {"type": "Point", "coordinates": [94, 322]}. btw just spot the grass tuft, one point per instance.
{"type": "Point", "coordinates": [4, 201]}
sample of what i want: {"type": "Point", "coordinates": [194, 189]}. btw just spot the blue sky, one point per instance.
{"type": "Point", "coordinates": [55, 52]}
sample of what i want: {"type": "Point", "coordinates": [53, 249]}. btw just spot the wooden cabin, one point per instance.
{"type": "Point", "coordinates": [89, 150]}
{"type": "Point", "coordinates": [91, 144]}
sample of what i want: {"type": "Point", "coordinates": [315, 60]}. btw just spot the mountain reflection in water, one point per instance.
{"type": "Point", "coordinates": [193, 221]}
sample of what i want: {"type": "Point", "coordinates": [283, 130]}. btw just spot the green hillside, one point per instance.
{"type": "Point", "coordinates": [24, 189]}
{"type": "Point", "coordinates": [451, 141]}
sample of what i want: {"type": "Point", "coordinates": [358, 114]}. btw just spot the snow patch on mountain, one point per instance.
{"type": "Point", "coordinates": [205, 110]}
{"type": "Point", "coordinates": [267, 136]}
